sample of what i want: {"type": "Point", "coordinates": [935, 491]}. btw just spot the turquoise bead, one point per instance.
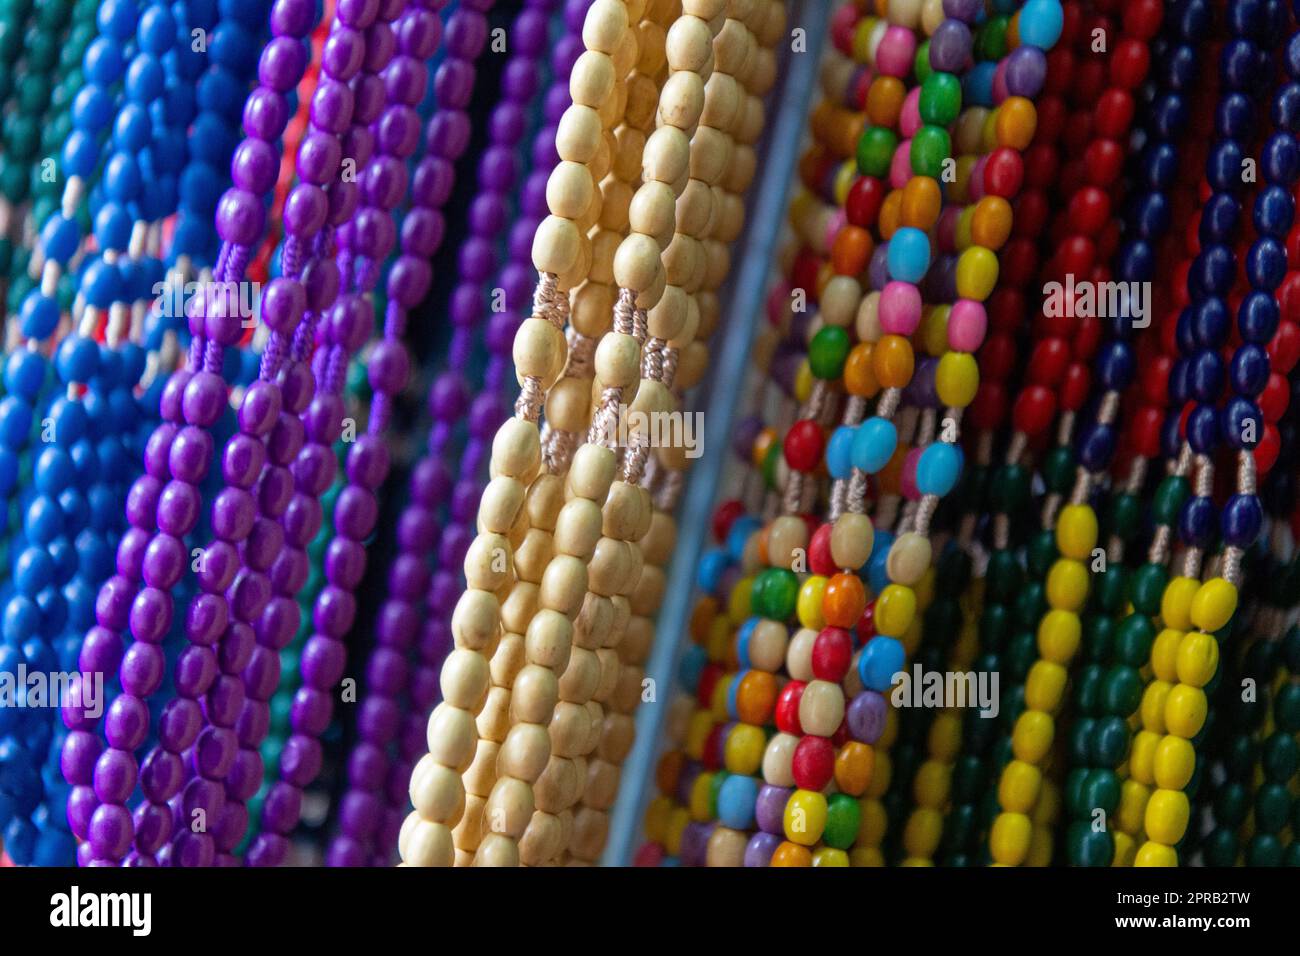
{"type": "Point", "coordinates": [938, 469]}
{"type": "Point", "coordinates": [1041, 22]}
{"type": "Point", "coordinates": [874, 444]}
{"type": "Point", "coordinates": [839, 452]}
{"type": "Point", "coordinates": [909, 255]}
{"type": "Point", "coordinates": [881, 659]}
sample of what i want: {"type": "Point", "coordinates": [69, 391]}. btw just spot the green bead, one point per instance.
{"type": "Point", "coordinates": [952, 572]}
{"type": "Point", "coordinates": [1101, 791]}
{"type": "Point", "coordinates": [1134, 640]}
{"type": "Point", "coordinates": [1058, 469]}
{"type": "Point", "coordinates": [1010, 489]}
{"type": "Point", "coordinates": [1220, 848]}
{"type": "Point", "coordinates": [842, 819]}
{"type": "Point", "coordinates": [1272, 807]}
{"type": "Point", "coordinates": [1087, 690]}
{"type": "Point", "coordinates": [921, 62]}
{"type": "Point", "coordinates": [827, 352]}
{"type": "Point", "coordinates": [1003, 576]}
{"type": "Point", "coordinates": [1149, 583]}
{"type": "Point", "coordinates": [1098, 637]}
{"type": "Point", "coordinates": [1021, 654]}
{"type": "Point", "coordinates": [1031, 604]}
{"type": "Point", "coordinates": [994, 626]}
{"type": "Point", "coordinates": [876, 150]}
{"type": "Point", "coordinates": [958, 827]}
{"type": "Point", "coordinates": [940, 99]}
{"type": "Point", "coordinates": [1292, 855]}
{"type": "Point", "coordinates": [1168, 501]}
{"type": "Point", "coordinates": [775, 592]}
{"type": "Point", "coordinates": [1111, 741]}
{"type": "Point", "coordinates": [770, 461]}
{"type": "Point", "coordinates": [1042, 553]}
{"type": "Point", "coordinates": [991, 39]}
{"type": "Point", "coordinates": [715, 787]}
{"type": "Point", "coordinates": [1088, 847]}
{"type": "Point", "coordinates": [1121, 690]}
{"type": "Point", "coordinates": [1264, 850]}
{"type": "Point", "coordinates": [930, 147]}
{"type": "Point", "coordinates": [968, 778]}
{"type": "Point", "coordinates": [1286, 708]}
{"type": "Point", "coordinates": [1280, 757]}
{"type": "Point", "coordinates": [1231, 804]}
{"type": "Point", "coordinates": [943, 618]}
{"type": "Point", "coordinates": [1078, 747]}
{"type": "Point", "coordinates": [1109, 589]}
{"type": "Point", "coordinates": [1240, 755]}
{"type": "Point", "coordinates": [1125, 517]}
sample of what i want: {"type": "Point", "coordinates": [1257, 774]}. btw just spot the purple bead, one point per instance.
{"type": "Point", "coordinates": [964, 10]}
{"type": "Point", "coordinates": [115, 776]}
{"type": "Point", "coordinates": [180, 723]}
{"type": "Point", "coordinates": [161, 776]}
{"type": "Point", "coordinates": [196, 668]}
{"type": "Point", "coordinates": [305, 210]}
{"type": "Point", "coordinates": [255, 166]}
{"type": "Point", "coordinates": [240, 217]}
{"type": "Point", "coordinates": [292, 18]}
{"type": "Point", "coordinates": [866, 716]}
{"type": "Point", "coordinates": [950, 46]}
{"type": "Point", "coordinates": [759, 849]}
{"type": "Point", "coordinates": [266, 113]}
{"type": "Point", "coordinates": [1026, 71]}
{"type": "Point", "coordinates": [110, 832]}
{"type": "Point", "coordinates": [769, 808]}
{"type": "Point", "coordinates": [77, 759]}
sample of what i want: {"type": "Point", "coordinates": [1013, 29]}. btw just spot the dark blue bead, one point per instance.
{"type": "Point", "coordinates": [1286, 108]}
{"type": "Point", "coordinates": [1223, 166]}
{"type": "Point", "coordinates": [1219, 218]}
{"type": "Point", "coordinates": [1137, 262]}
{"type": "Point", "coordinates": [1210, 321]}
{"type": "Point", "coordinates": [1242, 519]}
{"type": "Point", "coordinates": [1213, 271]}
{"type": "Point", "coordinates": [1274, 212]}
{"type": "Point", "coordinates": [1258, 317]}
{"type": "Point", "coordinates": [1116, 365]}
{"type": "Point", "coordinates": [1292, 59]}
{"type": "Point", "coordinates": [1239, 64]}
{"type": "Point", "coordinates": [1097, 446]}
{"type": "Point", "coordinates": [1266, 263]}
{"type": "Point", "coordinates": [1246, 18]}
{"type": "Point", "coordinates": [1235, 117]}
{"type": "Point", "coordinates": [1281, 160]}
{"type": "Point", "coordinates": [1196, 522]}
{"type": "Point", "coordinates": [1151, 216]}
{"type": "Point", "coordinates": [1192, 20]}
{"type": "Point", "coordinates": [1159, 164]}
{"type": "Point", "coordinates": [1205, 375]}
{"type": "Point", "coordinates": [1243, 425]}
{"type": "Point", "coordinates": [1249, 369]}
{"type": "Point", "coordinates": [1185, 331]}
{"type": "Point", "coordinates": [1203, 429]}
{"type": "Point", "coordinates": [1178, 385]}
{"type": "Point", "coordinates": [1169, 115]}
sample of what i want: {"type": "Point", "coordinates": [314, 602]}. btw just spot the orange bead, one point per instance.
{"type": "Point", "coordinates": [885, 101]}
{"type": "Point", "coordinates": [762, 545]}
{"type": "Point", "coordinates": [921, 203]}
{"type": "Point", "coordinates": [859, 374]}
{"type": "Point", "coordinates": [669, 770]}
{"type": "Point", "coordinates": [824, 275]}
{"type": "Point", "coordinates": [756, 697]}
{"type": "Point", "coordinates": [763, 444]}
{"type": "Point", "coordinates": [891, 476]}
{"type": "Point", "coordinates": [853, 766]}
{"type": "Point", "coordinates": [892, 361]}
{"type": "Point", "coordinates": [791, 854]}
{"type": "Point", "coordinates": [701, 617]}
{"type": "Point", "coordinates": [890, 217]}
{"type": "Point", "coordinates": [1016, 122]}
{"type": "Point", "coordinates": [1013, 31]}
{"type": "Point", "coordinates": [990, 225]}
{"type": "Point", "coordinates": [851, 250]}
{"type": "Point", "coordinates": [844, 600]}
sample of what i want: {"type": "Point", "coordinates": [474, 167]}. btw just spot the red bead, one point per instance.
{"type": "Point", "coordinates": [1142, 18]}
{"type": "Point", "coordinates": [1089, 210]}
{"type": "Point", "coordinates": [1075, 256]}
{"type": "Point", "coordinates": [1113, 114]}
{"type": "Point", "coordinates": [819, 552]}
{"type": "Point", "coordinates": [1003, 173]}
{"type": "Point", "coordinates": [1034, 410]}
{"type": "Point", "coordinates": [709, 677]}
{"type": "Point", "coordinates": [997, 357]}
{"type": "Point", "coordinates": [1074, 386]}
{"type": "Point", "coordinates": [813, 763]}
{"type": "Point", "coordinates": [1288, 295]}
{"type": "Point", "coordinates": [1129, 63]}
{"type": "Point", "coordinates": [1275, 397]}
{"type": "Point", "coordinates": [803, 445]}
{"type": "Point", "coordinates": [1087, 336]}
{"type": "Point", "coordinates": [862, 204]}
{"type": "Point", "coordinates": [787, 708]}
{"type": "Point", "coordinates": [1006, 309]}
{"type": "Point", "coordinates": [1155, 379]}
{"type": "Point", "coordinates": [832, 651]}
{"type": "Point", "coordinates": [1145, 431]}
{"type": "Point", "coordinates": [990, 406]}
{"type": "Point", "coordinates": [1060, 68]}
{"type": "Point", "coordinates": [1019, 262]}
{"type": "Point", "coordinates": [712, 758]}
{"type": "Point", "coordinates": [1284, 350]}
{"type": "Point", "coordinates": [807, 267]}
{"type": "Point", "coordinates": [1048, 361]}
{"type": "Point", "coordinates": [1267, 450]}
{"type": "Point", "coordinates": [841, 735]}
{"type": "Point", "coordinates": [1032, 213]}
{"type": "Point", "coordinates": [1103, 160]}
{"type": "Point", "coordinates": [724, 517]}
{"type": "Point", "coordinates": [866, 628]}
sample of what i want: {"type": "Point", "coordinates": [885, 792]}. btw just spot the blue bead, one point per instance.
{"type": "Point", "coordinates": [232, 48]}
{"type": "Point", "coordinates": [25, 374]}
{"type": "Point", "coordinates": [77, 359]}
{"type": "Point", "coordinates": [21, 618]}
{"type": "Point", "coordinates": [54, 471]}
{"type": "Point", "coordinates": [1219, 218]}
{"type": "Point", "coordinates": [1266, 263]}
{"type": "Point", "coordinates": [103, 62]}
{"type": "Point", "coordinates": [92, 109]}
{"type": "Point", "coordinates": [55, 848]}
{"type": "Point", "coordinates": [157, 30]}
{"type": "Point", "coordinates": [839, 452]}
{"type": "Point", "coordinates": [1097, 446]}
{"type": "Point", "coordinates": [70, 420]}
{"type": "Point", "coordinates": [1280, 161]}
{"type": "Point", "coordinates": [1137, 262]}
{"type": "Point", "coordinates": [1223, 166]}
{"type": "Point", "coordinates": [909, 255]}
{"type": "Point", "coordinates": [33, 570]}
{"type": "Point", "coordinates": [1041, 22]}
{"type": "Point", "coordinates": [743, 637]}
{"type": "Point", "coordinates": [737, 798]}
{"type": "Point", "coordinates": [1243, 517]}
{"type": "Point", "coordinates": [1286, 108]}
{"type": "Point", "coordinates": [220, 92]}
{"type": "Point", "coordinates": [122, 177]}
{"type": "Point", "coordinates": [1159, 161]}
{"type": "Point", "coordinates": [117, 18]}
{"type": "Point", "coordinates": [39, 315]}
{"type": "Point", "coordinates": [132, 130]}
{"type": "Point", "coordinates": [1243, 425]}
{"type": "Point", "coordinates": [1250, 368]}
{"type": "Point", "coordinates": [1214, 271]}
{"type": "Point", "coordinates": [1205, 375]}
{"type": "Point", "coordinates": [1235, 116]}
{"type": "Point", "coordinates": [937, 469]}
{"type": "Point", "coordinates": [977, 85]}
{"type": "Point", "coordinates": [711, 568]}
{"type": "Point", "coordinates": [1258, 317]}
{"type": "Point", "coordinates": [1151, 216]}
{"type": "Point", "coordinates": [1196, 522]}
{"type": "Point", "coordinates": [1238, 65]}
{"type": "Point", "coordinates": [1208, 322]}
{"type": "Point", "coordinates": [145, 78]}
{"type": "Point", "coordinates": [15, 421]}
{"type": "Point", "coordinates": [1116, 365]}
{"type": "Point", "coordinates": [881, 658]}
{"type": "Point", "coordinates": [877, 572]}
{"type": "Point", "coordinates": [20, 841]}
{"type": "Point", "coordinates": [94, 555]}
{"type": "Point", "coordinates": [43, 521]}
{"type": "Point", "coordinates": [1274, 212]}
{"type": "Point", "coordinates": [60, 238]}
{"type": "Point", "coordinates": [874, 444]}
{"type": "Point", "coordinates": [1203, 429]}
{"type": "Point", "coordinates": [741, 531]}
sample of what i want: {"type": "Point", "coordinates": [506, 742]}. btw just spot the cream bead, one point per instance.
{"type": "Point", "coordinates": [591, 472]}
{"type": "Point", "coordinates": [563, 586]}
{"type": "Point", "coordinates": [851, 540]}
{"type": "Point", "coordinates": [726, 848]}
{"type": "Point", "coordinates": [593, 621]}
{"type": "Point", "coordinates": [593, 304]}
{"type": "Point", "coordinates": [684, 261]}
{"type": "Point", "coordinates": [787, 541]}
{"type": "Point", "coordinates": [579, 680]}
{"type": "Point", "coordinates": [482, 772]}
{"type": "Point", "coordinates": [604, 246]}
{"type": "Point", "coordinates": [436, 791]}
{"type": "Point", "coordinates": [609, 566]}
{"type": "Point", "coordinates": [767, 645]}
{"type": "Point", "coordinates": [493, 721]}
{"type": "Point", "coordinates": [533, 554]}
{"type": "Point", "coordinates": [649, 591]}
{"type": "Point", "coordinates": [653, 212]}
{"type": "Point", "coordinates": [908, 559]}
{"type": "Point", "coordinates": [694, 208]}
{"type": "Point", "coordinates": [578, 528]}
{"type": "Point", "coordinates": [723, 99]}
{"type": "Point", "coordinates": [659, 539]}
{"type": "Point", "coordinates": [733, 46]}
{"type": "Point", "coordinates": [602, 786]}
{"type": "Point", "coordinates": [637, 263]}
{"type": "Point", "coordinates": [508, 809]}
{"type": "Point", "coordinates": [487, 562]}
{"type": "Point", "coordinates": [497, 851]}
{"type": "Point", "coordinates": [642, 102]}
{"type": "Point", "coordinates": [427, 844]}
{"type": "Point", "coordinates": [688, 45]}
{"type": "Point", "coordinates": [476, 620]}
{"type": "Point", "coordinates": [867, 321]}
{"type": "Point", "coordinates": [681, 101]}
{"type": "Point", "coordinates": [604, 157]}
{"type": "Point", "coordinates": [777, 760]}
{"type": "Point", "coordinates": [621, 516]}
{"type": "Point", "coordinates": [630, 143]}
{"type": "Point", "coordinates": [839, 301]}
{"type": "Point", "coordinates": [464, 679]}
{"type": "Point", "coordinates": [704, 9]}
{"type": "Point", "coordinates": [625, 55]}
{"type": "Point", "coordinates": [618, 360]}
{"type": "Point", "coordinates": [450, 736]}
{"type": "Point", "coordinates": [932, 15]}
{"type": "Point", "coordinates": [798, 654]}
{"type": "Point", "coordinates": [609, 667]}
{"type": "Point", "coordinates": [690, 328]}
{"type": "Point", "coordinates": [569, 190]}
{"type": "Point", "coordinates": [651, 53]}
{"type": "Point", "coordinates": [577, 136]}
{"type": "Point", "coordinates": [555, 245]}
{"type": "Point", "coordinates": [691, 366]}
{"type": "Point", "coordinates": [541, 840]}
{"type": "Point", "coordinates": [533, 695]}
{"type": "Point", "coordinates": [524, 754]}
{"type": "Point", "coordinates": [567, 405]}
{"type": "Point", "coordinates": [569, 724]}
{"type": "Point", "coordinates": [821, 708]}
{"type": "Point", "coordinates": [665, 320]}
{"type": "Point", "coordinates": [667, 155]}
{"type": "Point", "coordinates": [611, 109]}
{"type": "Point", "coordinates": [557, 788]}
{"type": "Point", "coordinates": [592, 79]}
{"type": "Point", "coordinates": [605, 25]}
{"type": "Point", "coordinates": [519, 607]}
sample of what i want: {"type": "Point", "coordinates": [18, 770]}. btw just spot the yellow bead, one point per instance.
{"type": "Point", "coordinates": [962, 234]}
{"type": "Point", "coordinates": [895, 609]}
{"type": "Point", "coordinates": [697, 733]}
{"type": "Point", "coordinates": [1198, 658]}
{"type": "Point", "coordinates": [1009, 838]}
{"type": "Point", "coordinates": [1176, 603]}
{"type": "Point", "coordinates": [866, 856]}
{"type": "Point", "coordinates": [944, 739]}
{"type": "Point", "coordinates": [1175, 761]}
{"type": "Point", "coordinates": [718, 701]}
{"type": "Point", "coordinates": [681, 819]}
{"type": "Point", "coordinates": [933, 333]}
{"type": "Point", "coordinates": [808, 607]}
{"type": "Point", "coordinates": [803, 382]}
{"type": "Point", "coordinates": [1185, 711]}
{"type": "Point", "coordinates": [1152, 710]}
{"type": "Point", "coordinates": [959, 190]}
{"type": "Point", "coordinates": [932, 783]}
{"type": "Point", "coordinates": [1133, 797]}
{"type": "Point", "coordinates": [805, 817]}
{"type": "Point", "coordinates": [844, 179]}
{"type": "Point", "coordinates": [977, 273]}
{"type": "Point", "coordinates": [743, 751]}
{"type": "Point", "coordinates": [871, 826]}
{"type": "Point", "coordinates": [1125, 849]}
{"type": "Point", "coordinates": [1214, 604]}
{"type": "Point", "coordinates": [719, 639]}
{"type": "Point", "coordinates": [1032, 737]}
{"type": "Point", "coordinates": [699, 803]}
{"type": "Point", "coordinates": [862, 39]}
{"type": "Point", "coordinates": [1164, 654]}
{"type": "Point", "coordinates": [1059, 633]}
{"type": "Point", "coordinates": [1166, 816]}
{"type": "Point", "coordinates": [883, 771]}
{"type": "Point", "coordinates": [1067, 584]}
{"type": "Point", "coordinates": [738, 606]}
{"type": "Point", "coordinates": [1142, 758]}
{"type": "Point", "coordinates": [1018, 788]}
{"type": "Point", "coordinates": [957, 379]}
{"type": "Point", "coordinates": [1076, 531]}
{"type": "Point", "coordinates": [657, 817]}
{"type": "Point", "coordinates": [829, 856]}
{"type": "Point", "coordinates": [923, 832]}
{"type": "Point", "coordinates": [1156, 854]}
{"type": "Point", "coordinates": [1045, 686]}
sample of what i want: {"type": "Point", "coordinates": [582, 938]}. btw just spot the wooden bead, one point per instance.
{"type": "Point", "coordinates": [642, 105]}
{"type": "Point", "coordinates": [652, 398]}
{"type": "Point", "coordinates": [593, 304]}
{"type": "Point", "coordinates": [487, 562]}
{"type": "Point", "coordinates": [694, 208]}
{"type": "Point", "coordinates": [681, 101]}
{"type": "Point", "coordinates": [625, 55]}
{"type": "Point", "coordinates": [525, 752]}
{"type": "Point", "coordinates": [622, 614]}
{"type": "Point", "coordinates": [519, 607]}
{"type": "Point", "coordinates": [686, 334]}
{"type": "Point", "coordinates": [578, 528]}
{"type": "Point", "coordinates": [541, 840]}
{"type": "Point", "coordinates": [637, 263]}
{"type": "Point", "coordinates": [608, 568]}
{"type": "Point", "coordinates": [665, 320]}
{"type": "Point", "coordinates": [577, 136]}
{"type": "Point", "coordinates": [568, 406]}
{"type": "Point", "coordinates": [704, 9]}
{"type": "Point", "coordinates": [557, 788]}
{"type": "Point", "coordinates": [787, 542]}
{"type": "Point", "coordinates": [689, 44]}
{"type": "Point", "coordinates": [539, 351]}
{"type": "Point", "coordinates": [821, 708]}
{"type": "Point", "coordinates": [653, 212]}
{"type": "Point", "coordinates": [555, 245]}
{"type": "Point", "coordinates": [509, 807]}
{"type": "Point", "coordinates": [839, 301]}
{"type": "Point", "coordinates": [602, 785]}
{"type": "Point", "coordinates": [618, 360]}
{"type": "Point", "coordinates": [591, 472]}
{"type": "Point", "coordinates": [621, 515]}
{"type": "Point", "coordinates": [635, 646]}
{"type": "Point", "coordinates": [576, 274]}
{"type": "Point", "coordinates": [592, 79]}
{"type": "Point", "coordinates": [605, 25]}
{"type": "Point", "coordinates": [493, 721]}
{"type": "Point", "coordinates": [649, 591]}
{"type": "Point", "coordinates": [476, 621]}
{"type": "Point", "coordinates": [450, 735]}
{"type": "Point", "coordinates": [604, 246]}
{"type": "Point", "coordinates": [593, 621]}
{"type": "Point", "coordinates": [616, 194]}
{"type": "Point", "coordinates": [651, 52]}
{"type": "Point", "coordinates": [691, 365]}
{"type": "Point", "coordinates": [569, 190]}
{"type": "Point", "coordinates": [851, 539]}
{"type": "Point", "coordinates": [502, 499]}
{"type": "Point", "coordinates": [516, 449]}
{"type": "Point", "coordinates": [601, 162]}
{"type": "Point", "coordinates": [464, 679]}
{"type": "Point", "coordinates": [590, 828]}
{"type": "Point", "coordinates": [667, 155]}
{"type": "Point", "coordinates": [482, 771]}
{"type": "Point", "coordinates": [684, 262]}
{"type": "Point", "coordinates": [609, 670]}
{"type": "Point", "coordinates": [908, 559]}
{"type": "Point", "coordinates": [533, 555]}
{"type": "Point", "coordinates": [659, 539]}
{"type": "Point", "coordinates": [533, 695]}
{"type": "Point", "coordinates": [767, 645]}
{"type": "Point", "coordinates": [564, 585]}
{"type": "Point", "coordinates": [636, 564]}
{"type": "Point", "coordinates": [777, 759]}
{"type": "Point", "coordinates": [723, 100]}
{"type": "Point", "coordinates": [436, 791]}
{"type": "Point", "coordinates": [579, 679]}
{"type": "Point", "coordinates": [732, 47]}
{"type": "Point", "coordinates": [427, 844]}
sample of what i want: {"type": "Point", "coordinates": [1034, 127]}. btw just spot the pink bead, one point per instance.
{"type": "Point", "coordinates": [777, 301]}
{"type": "Point", "coordinates": [1000, 82]}
{"type": "Point", "coordinates": [967, 323]}
{"type": "Point", "coordinates": [900, 308]}
{"type": "Point", "coordinates": [909, 119]}
{"type": "Point", "coordinates": [908, 478]}
{"type": "Point", "coordinates": [946, 230]}
{"type": "Point", "coordinates": [896, 52]}
{"type": "Point", "coordinates": [837, 221]}
{"type": "Point", "coordinates": [842, 23]}
{"type": "Point", "coordinates": [652, 854]}
{"type": "Point", "coordinates": [900, 168]}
